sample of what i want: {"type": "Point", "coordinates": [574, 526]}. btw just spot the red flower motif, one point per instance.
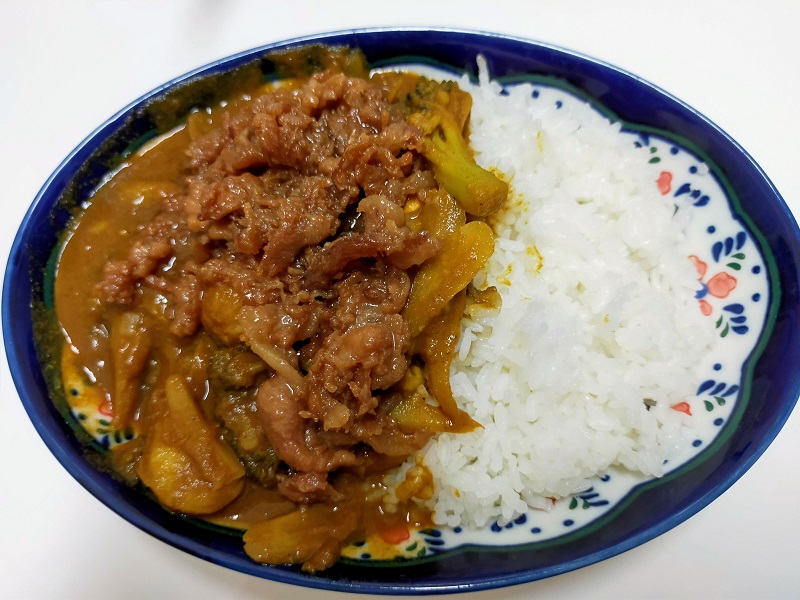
{"type": "Point", "coordinates": [664, 182]}
{"type": "Point", "coordinates": [699, 265]}
{"type": "Point", "coordinates": [682, 407]}
{"type": "Point", "coordinates": [395, 534]}
{"type": "Point", "coordinates": [105, 408]}
{"type": "Point", "coordinates": [721, 284]}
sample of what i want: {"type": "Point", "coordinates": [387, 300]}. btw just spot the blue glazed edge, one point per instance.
{"type": "Point", "coordinates": [457, 572]}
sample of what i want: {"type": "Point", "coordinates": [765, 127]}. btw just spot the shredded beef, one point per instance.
{"type": "Point", "coordinates": [385, 235]}
{"type": "Point", "coordinates": [306, 488]}
{"type": "Point", "coordinates": [280, 406]}
{"type": "Point", "coordinates": [295, 203]}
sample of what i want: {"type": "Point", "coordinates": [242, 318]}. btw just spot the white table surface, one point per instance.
{"type": "Point", "coordinates": [67, 66]}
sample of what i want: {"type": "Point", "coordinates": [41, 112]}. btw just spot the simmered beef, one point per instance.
{"type": "Point", "coordinates": [289, 236]}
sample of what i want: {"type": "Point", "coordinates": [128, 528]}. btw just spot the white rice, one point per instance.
{"type": "Point", "coordinates": [603, 320]}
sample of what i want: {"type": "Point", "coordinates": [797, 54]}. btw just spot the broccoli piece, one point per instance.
{"type": "Point", "coordinates": [441, 110]}
{"type": "Point", "coordinates": [479, 191]}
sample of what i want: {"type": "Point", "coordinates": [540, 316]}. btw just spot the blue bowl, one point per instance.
{"type": "Point", "coordinates": [767, 397]}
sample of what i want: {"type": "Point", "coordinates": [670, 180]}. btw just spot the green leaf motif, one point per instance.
{"type": "Point", "coordinates": [721, 401]}
{"type": "Point", "coordinates": [573, 503]}
{"type": "Point", "coordinates": [709, 405]}
{"type": "Point", "coordinates": [734, 266]}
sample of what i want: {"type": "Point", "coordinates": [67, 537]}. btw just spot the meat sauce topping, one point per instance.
{"type": "Point", "coordinates": [270, 296]}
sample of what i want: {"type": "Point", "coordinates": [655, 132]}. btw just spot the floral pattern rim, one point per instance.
{"type": "Point", "coordinates": [733, 290]}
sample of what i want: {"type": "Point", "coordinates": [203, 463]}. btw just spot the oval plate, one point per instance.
{"type": "Point", "coordinates": [768, 393]}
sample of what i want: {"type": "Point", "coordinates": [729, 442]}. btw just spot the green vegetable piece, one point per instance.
{"type": "Point", "coordinates": [441, 111]}
{"type": "Point", "coordinates": [479, 191]}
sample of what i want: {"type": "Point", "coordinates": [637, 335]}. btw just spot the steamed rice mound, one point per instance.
{"type": "Point", "coordinates": [598, 317]}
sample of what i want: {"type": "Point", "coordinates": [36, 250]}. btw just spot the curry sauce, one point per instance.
{"type": "Point", "coordinates": [268, 297]}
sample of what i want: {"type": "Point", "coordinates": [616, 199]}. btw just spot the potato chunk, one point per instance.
{"type": "Point", "coordinates": [312, 536]}
{"type": "Point", "coordinates": [220, 311]}
{"type": "Point", "coordinates": [184, 462]}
